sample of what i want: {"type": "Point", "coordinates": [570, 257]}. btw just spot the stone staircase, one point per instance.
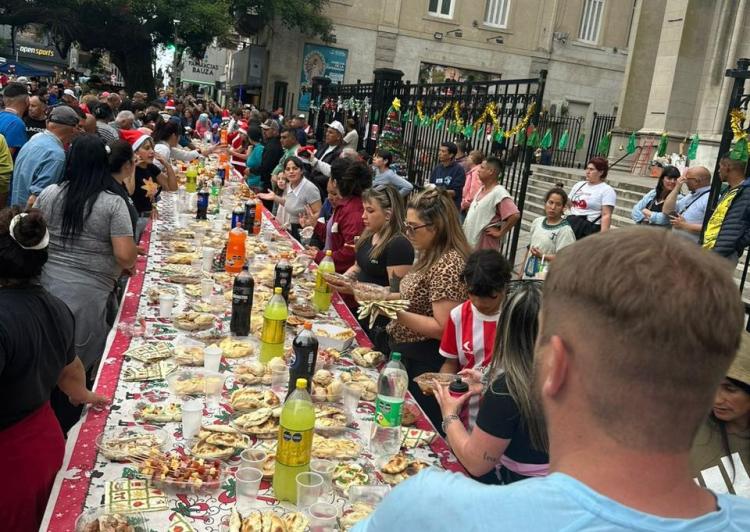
{"type": "Point", "coordinates": [629, 191]}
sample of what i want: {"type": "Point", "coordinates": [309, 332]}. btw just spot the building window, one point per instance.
{"type": "Point", "coordinates": [441, 8]}
{"type": "Point", "coordinates": [496, 13]}
{"type": "Point", "coordinates": [591, 21]}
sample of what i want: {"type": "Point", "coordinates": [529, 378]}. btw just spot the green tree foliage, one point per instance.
{"type": "Point", "coordinates": [130, 30]}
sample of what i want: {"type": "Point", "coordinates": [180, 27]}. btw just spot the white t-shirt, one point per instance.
{"type": "Point", "coordinates": [587, 200]}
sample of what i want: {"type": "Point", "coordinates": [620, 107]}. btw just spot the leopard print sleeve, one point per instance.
{"type": "Point", "coordinates": [445, 280]}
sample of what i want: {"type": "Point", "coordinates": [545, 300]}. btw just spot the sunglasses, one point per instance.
{"type": "Point", "coordinates": [411, 229]}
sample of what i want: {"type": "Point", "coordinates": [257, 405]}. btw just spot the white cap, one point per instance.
{"type": "Point", "coordinates": [338, 126]}
{"type": "Point", "coordinates": [69, 92]}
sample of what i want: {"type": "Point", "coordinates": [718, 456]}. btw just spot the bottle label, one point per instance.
{"type": "Point", "coordinates": [388, 412]}
{"type": "Point", "coordinates": [294, 447]}
{"type": "Point", "coordinates": [320, 284]}
{"type": "Point", "coordinates": [273, 331]}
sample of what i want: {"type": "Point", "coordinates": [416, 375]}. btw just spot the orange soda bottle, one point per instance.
{"type": "Point", "coordinates": [235, 250]}
{"type": "Point", "coordinates": [223, 136]}
{"type": "Point", "coordinates": [258, 217]}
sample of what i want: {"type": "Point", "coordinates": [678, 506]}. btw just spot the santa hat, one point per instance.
{"type": "Point", "coordinates": [170, 105]}
{"type": "Point", "coordinates": [243, 127]}
{"type": "Point", "coordinates": [225, 114]}
{"type": "Point", "coordinates": [135, 137]}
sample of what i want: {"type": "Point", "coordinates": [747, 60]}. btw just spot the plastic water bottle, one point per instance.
{"type": "Point", "coordinates": [385, 436]}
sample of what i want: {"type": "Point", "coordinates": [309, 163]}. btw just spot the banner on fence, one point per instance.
{"type": "Point", "coordinates": [317, 61]}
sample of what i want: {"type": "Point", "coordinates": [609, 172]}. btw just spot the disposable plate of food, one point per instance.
{"type": "Point", "coordinates": [102, 519]}
{"type": "Point", "coordinates": [129, 443]}
{"type": "Point", "coordinates": [192, 382]}
{"type": "Point", "coordinates": [182, 473]}
{"type": "Point", "coordinates": [333, 336]}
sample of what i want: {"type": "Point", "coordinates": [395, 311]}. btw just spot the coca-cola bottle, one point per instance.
{"type": "Point", "coordinates": [242, 302]}
{"type": "Point", "coordinates": [305, 354]}
{"type": "Point", "coordinates": [283, 276]}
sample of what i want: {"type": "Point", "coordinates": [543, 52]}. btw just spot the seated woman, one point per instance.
{"type": "Point", "coordinates": [345, 226]}
{"type": "Point", "coordinates": [298, 193]}
{"type": "Point", "coordinates": [649, 209]}
{"type": "Point", "coordinates": [469, 336]}
{"type": "Point", "coordinates": [37, 353]}
{"type": "Point", "coordinates": [720, 456]}
{"type": "Point", "coordinates": [384, 254]}
{"type": "Point", "coordinates": [166, 144]}
{"type": "Point", "coordinates": [433, 288]}
{"type": "Point", "coordinates": [510, 436]}
{"type": "Point", "coordinates": [146, 171]}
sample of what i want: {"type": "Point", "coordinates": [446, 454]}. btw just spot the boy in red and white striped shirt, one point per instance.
{"type": "Point", "coordinates": [469, 336]}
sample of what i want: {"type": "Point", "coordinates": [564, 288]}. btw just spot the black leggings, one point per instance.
{"type": "Point", "coordinates": [418, 358]}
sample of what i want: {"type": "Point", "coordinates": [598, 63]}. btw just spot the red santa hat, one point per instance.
{"type": "Point", "coordinates": [170, 105]}
{"type": "Point", "coordinates": [243, 127]}
{"type": "Point", "coordinates": [135, 137]}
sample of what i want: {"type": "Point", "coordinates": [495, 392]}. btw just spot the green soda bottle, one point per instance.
{"type": "Point", "coordinates": [295, 442]}
{"type": "Point", "coordinates": [274, 324]}
{"type": "Point", "coordinates": [322, 292]}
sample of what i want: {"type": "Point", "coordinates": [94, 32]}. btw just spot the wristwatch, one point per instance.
{"type": "Point", "coordinates": [447, 421]}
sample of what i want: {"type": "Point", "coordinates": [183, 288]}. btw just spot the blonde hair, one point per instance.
{"type": "Point", "coordinates": [435, 208]}
{"type": "Point", "coordinates": [513, 353]}
{"type": "Point", "coordinates": [388, 199]}
{"type": "Point", "coordinates": [649, 380]}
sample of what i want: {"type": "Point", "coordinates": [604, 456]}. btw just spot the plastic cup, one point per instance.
{"type": "Point", "coordinates": [166, 302]}
{"type": "Point", "coordinates": [248, 482]}
{"type": "Point", "coordinates": [200, 233]}
{"type": "Point", "coordinates": [309, 489]}
{"type": "Point", "coordinates": [279, 380]}
{"type": "Point", "coordinates": [324, 468]}
{"type": "Point", "coordinates": [192, 417]}
{"type": "Point", "coordinates": [208, 259]}
{"type": "Point", "coordinates": [213, 387]}
{"type": "Point", "coordinates": [350, 397]}
{"type": "Point", "coordinates": [323, 517]}
{"type": "Point", "coordinates": [207, 288]}
{"type": "Point", "coordinates": [212, 359]}
{"type": "Point", "coordinates": [254, 458]}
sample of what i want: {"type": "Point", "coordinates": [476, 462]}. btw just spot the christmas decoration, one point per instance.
{"type": "Point", "coordinates": [580, 141]}
{"type": "Point", "coordinates": [693, 149]}
{"type": "Point", "coordinates": [603, 147]}
{"type": "Point", "coordinates": [533, 138]}
{"type": "Point", "coordinates": [739, 151]}
{"type": "Point", "coordinates": [562, 144]}
{"type": "Point", "coordinates": [440, 123]}
{"type": "Point", "coordinates": [521, 137]}
{"type": "Point", "coordinates": [468, 131]}
{"type": "Point", "coordinates": [457, 117]}
{"type": "Point", "coordinates": [661, 151]}
{"type": "Point", "coordinates": [499, 135]}
{"type": "Point", "coordinates": [546, 142]}
{"type": "Point", "coordinates": [391, 136]}
{"type": "Point", "coordinates": [631, 143]}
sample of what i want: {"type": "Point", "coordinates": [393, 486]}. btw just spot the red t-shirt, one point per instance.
{"type": "Point", "coordinates": [469, 336]}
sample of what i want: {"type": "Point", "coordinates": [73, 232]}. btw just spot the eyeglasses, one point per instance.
{"type": "Point", "coordinates": [411, 229]}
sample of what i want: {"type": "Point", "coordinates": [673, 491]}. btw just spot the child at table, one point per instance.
{"type": "Point", "coordinates": [469, 334]}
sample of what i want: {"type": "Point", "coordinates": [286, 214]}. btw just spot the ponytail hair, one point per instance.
{"type": "Point", "coordinates": [18, 261]}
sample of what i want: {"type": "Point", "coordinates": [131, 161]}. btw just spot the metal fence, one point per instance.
{"type": "Point", "coordinates": [559, 125]}
{"type": "Point", "coordinates": [601, 125]}
{"type": "Point", "coordinates": [512, 101]}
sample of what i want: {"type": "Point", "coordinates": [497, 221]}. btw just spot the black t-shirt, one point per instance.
{"type": "Point", "coordinates": [398, 252]}
{"type": "Point", "coordinates": [120, 190]}
{"type": "Point", "coordinates": [142, 203]}
{"type": "Point", "coordinates": [499, 416]}
{"type": "Point", "coordinates": [37, 340]}
{"type": "Point", "coordinates": [34, 126]}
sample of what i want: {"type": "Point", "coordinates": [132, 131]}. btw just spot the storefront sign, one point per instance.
{"type": "Point", "coordinates": [318, 61]}
{"type": "Point", "coordinates": [207, 70]}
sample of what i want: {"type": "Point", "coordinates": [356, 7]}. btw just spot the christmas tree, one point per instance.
{"type": "Point", "coordinates": [391, 137]}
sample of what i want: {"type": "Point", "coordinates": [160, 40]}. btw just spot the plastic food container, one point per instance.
{"type": "Point", "coordinates": [122, 444]}
{"type": "Point", "coordinates": [86, 521]}
{"type": "Point", "coordinates": [192, 382]}
{"type": "Point", "coordinates": [333, 336]}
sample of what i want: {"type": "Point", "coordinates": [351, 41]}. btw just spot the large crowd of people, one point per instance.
{"type": "Point", "coordinates": [604, 392]}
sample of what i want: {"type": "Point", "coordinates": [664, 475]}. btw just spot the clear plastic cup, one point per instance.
{"type": "Point", "coordinates": [279, 380]}
{"type": "Point", "coordinates": [254, 458]}
{"type": "Point", "coordinates": [323, 517]}
{"type": "Point", "coordinates": [350, 397]}
{"type": "Point", "coordinates": [324, 468]}
{"type": "Point", "coordinates": [166, 303]}
{"type": "Point", "coordinates": [309, 489]}
{"type": "Point", "coordinates": [208, 259]}
{"type": "Point", "coordinates": [207, 288]}
{"type": "Point", "coordinates": [192, 417]}
{"type": "Point", "coordinates": [248, 483]}
{"type": "Point", "coordinates": [214, 385]}
{"type": "Point", "coordinates": [212, 359]}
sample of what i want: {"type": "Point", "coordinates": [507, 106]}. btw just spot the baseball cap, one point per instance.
{"type": "Point", "coordinates": [270, 124]}
{"type": "Point", "coordinates": [62, 114]}
{"type": "Point", "coordinates": [302, 116]}
{"type": "Point", "coordinates": [69, 92]}
{"type": "Point", "coordinates": [338, 126]}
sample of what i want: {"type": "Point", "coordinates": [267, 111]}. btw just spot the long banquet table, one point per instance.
{"type": "Point", "coordinates": [87, 475]}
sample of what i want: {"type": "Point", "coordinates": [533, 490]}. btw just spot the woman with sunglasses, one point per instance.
{"type": "Point", "coordinates": [433, 288]}
{"type": "Point", "coordinates": [383, 254]}
{"type": "Point", "coordinates": [649, 209]}
{"type": "Point", "coordinates": [509, 436]}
